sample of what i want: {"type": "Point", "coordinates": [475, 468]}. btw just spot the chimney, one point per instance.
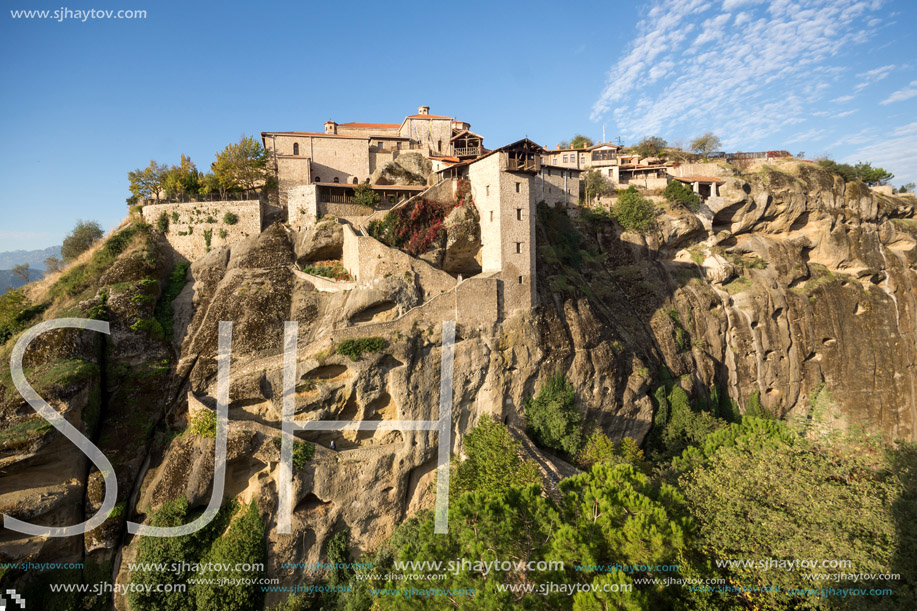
{"type": "Point", "coordinates": [331, 127]}
{"type": "Point", "coordinates": [423, 110]}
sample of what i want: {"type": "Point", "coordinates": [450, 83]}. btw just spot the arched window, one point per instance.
{"type": "Point", "coordinates": [355, 181]}
{"type": "Point", "coordinates": [318, 179]}
{"type": "Point", "coordinates": [336, 179]}
{"type": "Point", "coordinates": [296, 148]}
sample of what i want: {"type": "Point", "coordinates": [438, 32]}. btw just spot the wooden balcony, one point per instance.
{"type": "Point", "coordinates": [467, 151]}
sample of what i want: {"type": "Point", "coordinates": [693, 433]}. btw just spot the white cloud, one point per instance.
{"type": "Point", "coordinates": [902, 94]}
{"type": "Point", "coordinates": [897, 154]}
{"type": "Point", "coordinates": [843, 98]}
{"type": "Point", "coordinates": [744, 82]}
{"type": "Point", "coordinates": [807, 136]}
{"type": "Point", "coordinates": [846, 113]}
{"type": "Point", "coordinates": [873, 76]}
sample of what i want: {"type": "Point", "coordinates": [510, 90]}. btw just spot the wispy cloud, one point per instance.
{"type": "Point", "coordinates": [744, 82]}
{"type": "Point", "coordinates": [897, 153]}
{"type": "Point", "coordinates": [902, 94]}
{"type": "Point", "coordinates": [873, 76]}
{"type": "Point", "coordinates": [843, 98]}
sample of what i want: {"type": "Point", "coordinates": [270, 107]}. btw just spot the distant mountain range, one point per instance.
{"type": "Point", "coordinates": [35, 259]}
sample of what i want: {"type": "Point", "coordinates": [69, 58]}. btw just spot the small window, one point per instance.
{"type": "Point", "coordinates": [565, 159]}
{"type": "Point", "coordinates": [519, 247]}
{"type": "Point", "coordinates": [355, 180]}
{"type": "Point", "coordinates": [487, 190]}
{"type": "Point", "coordinates": [520, 279]}
{"type": "Point", "coordinates": [518, 187]}
{"type": "Point", "coordinates": [296, 148]}
{"type": "Point", "coordinates": [518, 214]}
{"type": "Point", "coordinates": [491, 215]}
{"type": "Point", "coordinates": [318, 179]}
{"type": "Point", "coordinates": [336, 179]}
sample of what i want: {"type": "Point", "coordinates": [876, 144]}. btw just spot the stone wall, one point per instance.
{"type": "Point", "coordinates": [700, 169]}
{"type": "Point", "coordinates": [302, 206]}
{"type": "Point", "coordinates": [190, 223]}
{"type": "Point", "coordinates": [506, 202]}
{"type": "Point", "coordinates": [367, 259]}
{"type": "Point", "coordinates": [556, 186]}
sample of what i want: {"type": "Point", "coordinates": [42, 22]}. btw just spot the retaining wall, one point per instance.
{"type": "Point", "coordinates": [190, 224]}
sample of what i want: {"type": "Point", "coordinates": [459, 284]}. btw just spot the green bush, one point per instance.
{"type": "Point", "coordinates": [364, 195]}
{"type": "Point", "coordinates": [678, 192]}
{"type": "Point", "coordinates": [162, 223]}
{"type": "Point", "coordinates": [242, 543]}
{"type": "Point", "coordinates": [303, 451]}
{"type": "Point", "coordinates": [83, 235]}
{"type": "Point", "coordinates": [204, 424]}
{"type": "Point", "coordinates": [176, 283]}
{"type": "Point", "coordinates": [230, 219]}
{"type": "Point", "coordinates": [335, 270]}
{"type": "Point", "coordinates": [208, 236]}
{"type": "Point", "coordinates": [553, 418]}
{"type": "Point", "coordinates": [634, 212]}
{"type": "Point", "coordinates": [599, 448]}
{"type": "Point", "coordinates": [354, 348]}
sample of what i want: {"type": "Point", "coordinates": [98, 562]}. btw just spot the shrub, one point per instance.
{"type": "Point", "coordinates": [303, 451]}
{"type": "Point", "coordinates": [354, 348]}
{"type": "Point", "coordinates": [553, 419]}
{"type": "Point", "coordinates": [230, 219]}
{"type": "Point", "coordinates": [327, 269]}
{"type": "Point", "coordinates": [414, 228]}
{"type": "Point", "coordinates": [162, 223]}
{"type": "Point", "coordinates": [634, 212]}
{"type": "Point", "coordinates": [175, 285]}
{"type": "Point", "coordinates": [364, 195]}
{"type": "Point", "coordinates": [204, 424]}
{"type": "Point", "coordinates": [208, 236]}
{"type": "Point", "coordinates": [83, 235]}
{"type": "Point", "coordinates": [678, 192]}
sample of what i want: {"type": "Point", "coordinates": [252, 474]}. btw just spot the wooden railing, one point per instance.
{"type": "Point", "coordinates": [467, 151]}
{"type": "Point", "coordinates": [337, 198]}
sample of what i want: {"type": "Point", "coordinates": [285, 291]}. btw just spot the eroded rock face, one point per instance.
{"type": "Point", "coordinates": [787, 284]}
{"type": "Point", "coordinates": [321, 242]}
{"type": "Point", "coordinates": [462, 254]}
{"type": "Point", "coordinates": [409, 168]}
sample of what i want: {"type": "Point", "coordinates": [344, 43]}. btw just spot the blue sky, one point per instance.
{"type": "Point", "coordinates": [85, 102]}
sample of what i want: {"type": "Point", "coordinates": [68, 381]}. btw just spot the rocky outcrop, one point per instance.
{"type": "Point", "coordinates": [410, 168]}
{"type": "Point", "coordinates": [789, 284]}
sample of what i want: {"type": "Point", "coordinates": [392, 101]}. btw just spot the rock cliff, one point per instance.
{"type": "Point", "coordinates": [789, 285]}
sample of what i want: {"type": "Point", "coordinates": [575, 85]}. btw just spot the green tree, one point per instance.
{"type": "Point", "coordinates": [599, 448]}
{"type": "Point", "coordinates": [53, 265]}
{"type": "Point", "coordinates": [21, 272]}
{"type": "Point", "coordinates": [580, 141]}
{"type": "Point", "coordinates": [596, 185]}
{"type": "Point", "coordinates": [242, 165]}
{"type": "Point", "coordinates": [634, 212]}
{"type": "Point", "coordinates": [870, 175]}
{"type": "Point", "coordinates": [760, 495]}
{"type": "Point", "coordinates": [553, 419]}
{"type": "Point", "coordinates": [494, 461]}
{"type": "Point", "coordinates": [180, 180]}
{"type": "Point", "coordinates": [241, 544]}
{"type": "Point", "coordinates": [364, 195]}
{"type": "Point", "coordinates": [907, 187]}
{"type": "Point", "coordinates": [706, 144]}
{"type": "Point", "coordinates": [650, 146]}
{"type": "Point", "coordinates": [678, 192]}
{"type": "Point", "coordinates": [83, 235]}
{"type": "Point", "coordinates": [146, 183]}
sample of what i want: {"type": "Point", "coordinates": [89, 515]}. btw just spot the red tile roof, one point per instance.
{"type": "Point", "coordinates": [378, 125]}
{"type": "Point", "coordinates": [316, 134]}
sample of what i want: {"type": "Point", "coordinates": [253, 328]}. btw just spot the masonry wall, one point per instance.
{"type": "Point", "coordinates": [187, 234]}
{"type": "Point", "coordinates": [292, 172]}
{"type": "Point", "coordinates": [556, 186]}
{"type": "Point", "coordinates": [302, 206]}
{"type": "Point", "coordinates": [434, 133]}
{"type": "Point", "coordinates": [700, 169]}
{"type": "Point", "coordinates": [367, 260]}
{"type": "Point", "coordinates": [506, 202]}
